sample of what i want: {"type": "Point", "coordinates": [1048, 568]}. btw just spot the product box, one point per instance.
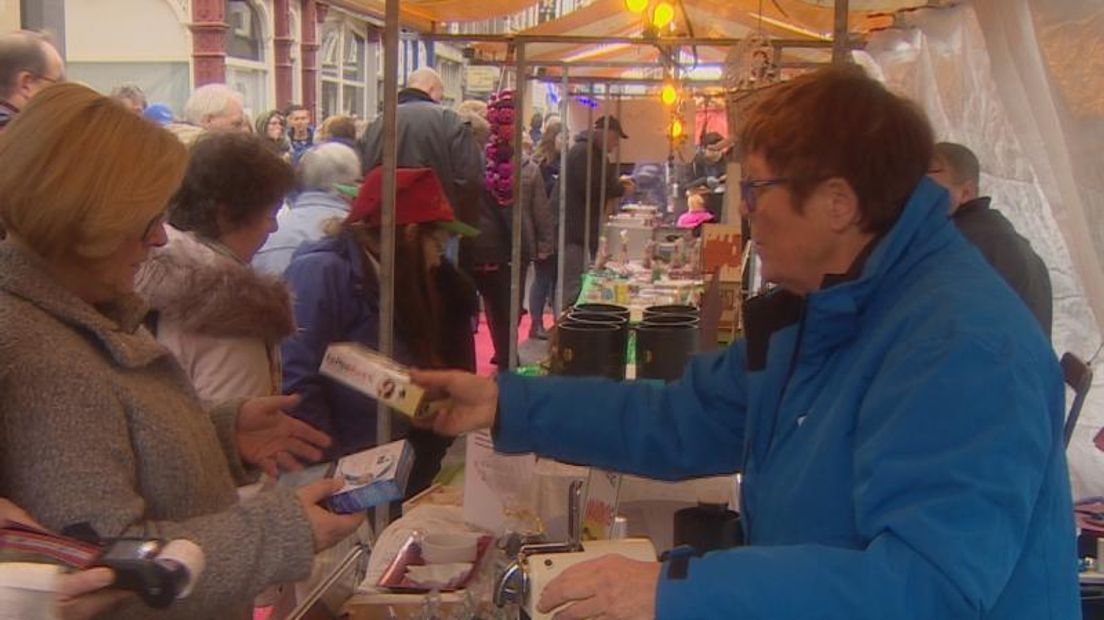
{"type": "Point", "coordinates": [722, 251]}
{"type": "Point", "coordinates": [372, 477]}
{"type": "Point", "coordinates": [377, 376]}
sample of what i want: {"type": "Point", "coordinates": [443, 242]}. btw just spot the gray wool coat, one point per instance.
{"type": "Point", "coordinates": [99, 424]}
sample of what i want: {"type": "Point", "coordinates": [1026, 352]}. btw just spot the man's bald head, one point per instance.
{"type": "Point", "coordinates": [428, 81]}
{"type": "Point", "coordinates": [28, 63]}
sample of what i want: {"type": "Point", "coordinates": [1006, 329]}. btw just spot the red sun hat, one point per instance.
{"type": "Point", "coordinates": [419, 199]}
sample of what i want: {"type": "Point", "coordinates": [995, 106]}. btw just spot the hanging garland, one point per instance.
{"type": "Point", "coordinates": [499, 175]}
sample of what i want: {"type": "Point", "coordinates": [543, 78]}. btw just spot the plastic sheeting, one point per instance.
{"type": "Point", "coordinates": [981, 73]}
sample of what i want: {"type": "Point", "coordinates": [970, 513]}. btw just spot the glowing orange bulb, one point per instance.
{"type": "Point", "coordinates": [636, 6]}
{"type": "Point", "coordinates": [663, 15]}
{"type": "Point", "coordinates": [669, 94]}
{"type": "Point", "coordinates": [676, 128]}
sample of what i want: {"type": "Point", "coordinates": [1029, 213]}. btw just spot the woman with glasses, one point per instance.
{"type": "Point", "coordinates": [895, 410]}
{"type": "Point", "coordinates": [222, 319]}
{"type": "Point", "coordinates": [99, 425]}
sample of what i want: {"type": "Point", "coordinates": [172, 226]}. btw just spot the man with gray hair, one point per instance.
{"type": "Point", "coordinates": [432, 136]}
{"type": "Point", "coordinates": [957, 169]}
{"type": "Point", "coordinates": [28, 63]}
{"type": "Point", "coordinates": [213, 107]}
{"type": "Point", "coordinates": [322, 173]}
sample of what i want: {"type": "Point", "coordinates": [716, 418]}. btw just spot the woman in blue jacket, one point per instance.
{"type": "Point", "coordinates": [895, 410]}
{"type": "Point", "coordinates": [336, 290]}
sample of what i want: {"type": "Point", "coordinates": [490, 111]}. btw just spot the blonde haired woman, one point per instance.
{"type": "Point", "coordinates": [89, 392]}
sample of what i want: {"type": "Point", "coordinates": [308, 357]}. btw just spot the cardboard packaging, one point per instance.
{"type": "Point", "coordinates": [373, 477]}
{"type": "Point", "coordinates": [377, 376]}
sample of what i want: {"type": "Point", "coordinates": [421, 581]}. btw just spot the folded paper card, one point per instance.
{"type": "Point", "coordinates": [372, 477]}
{"type": "Point", "coordinates": [375, 375]}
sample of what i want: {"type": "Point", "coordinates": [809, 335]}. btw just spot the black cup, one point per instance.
{"type": "Point", "coordinates": [588, 349]}
{"type": "Point", "coordinates": [671, 319]}
{"type": "Point", "coordinates": [621, 311]}
{"type": "Point", "coordinates": [708, 527]}
{"type": "Point", "coordinates": [680, 309]}
{"type": "Point", "coordinates": [662, 350]}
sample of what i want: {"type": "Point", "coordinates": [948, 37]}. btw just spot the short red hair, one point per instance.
{"type": "Point", "coordinates": [838, 122]}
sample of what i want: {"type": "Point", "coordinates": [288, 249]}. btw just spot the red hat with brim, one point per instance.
{"type": "Point", "coordinates": [419, 199]}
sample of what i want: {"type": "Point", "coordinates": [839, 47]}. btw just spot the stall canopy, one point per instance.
{"type": "Point", "coordinates": [430, 15]}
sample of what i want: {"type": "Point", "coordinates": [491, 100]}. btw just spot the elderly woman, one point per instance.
{"type": "Point", "coordinates": [895, 409]}
{"type": "Point", "coordinates": [320, 201]}
{"type": "Point", "coordinates": [221, 319]}
{"type": "Point", "coordinates": [98, 424]}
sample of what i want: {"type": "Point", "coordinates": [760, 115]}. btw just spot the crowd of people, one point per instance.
{"type": "Point", "coordinates": [169, 285]}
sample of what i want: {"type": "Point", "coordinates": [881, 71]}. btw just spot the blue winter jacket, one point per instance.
{"type": "Point", "coordinates": [336, 299]}
{"type": "Point", "coordinates": [900, 435]}
{"type": "Point", "coordinates": [303, 220]}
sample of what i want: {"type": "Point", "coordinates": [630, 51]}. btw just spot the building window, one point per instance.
{"type": "Point", "coordinates": [246, 70]}
{"type": "Point", "coordinates": [344, 69]}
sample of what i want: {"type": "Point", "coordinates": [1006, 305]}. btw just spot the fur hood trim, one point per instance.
{"type": "Point", "coordinates": [212, 294]}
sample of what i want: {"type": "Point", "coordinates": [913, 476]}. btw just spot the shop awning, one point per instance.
{"type": "Point", "coordinates": [795, 20]}
{"type": "Point", "coordinates": [430, 15]}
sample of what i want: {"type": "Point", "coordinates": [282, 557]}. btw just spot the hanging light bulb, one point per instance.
{"type": "Point", "coordinates": [669, 94]}
{"type": "Point", "coordinates": [676, 128]}
{"type": "Point", "coordinates": [636, 6]}
{"type": "Point", "coordinates": [663, 15]}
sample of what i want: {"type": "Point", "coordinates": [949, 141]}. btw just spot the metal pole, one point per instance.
{"type": "Point", "coordinates": [589, 180]}
{"type": "Point", "coordinates": [602, 40]}
{"type": "Point", "coordinates": [604, 167]}
{"type": "Point", "coordinates": [618, 108]}
{"type": "Point", "coordinates": [561, 187]}
{"type": "Point", "coordinates": [840, 45]}
{"type": "Point", "coordinates": [515, 241]}
{"type": "Point", "coordinates": [387, 219]}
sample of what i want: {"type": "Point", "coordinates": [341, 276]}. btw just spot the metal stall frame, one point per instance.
{"type": "Point", "coordinates": [840, 45]}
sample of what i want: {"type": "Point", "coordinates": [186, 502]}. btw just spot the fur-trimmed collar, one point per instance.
{"type": "Point", "coordinates": [212, 294]}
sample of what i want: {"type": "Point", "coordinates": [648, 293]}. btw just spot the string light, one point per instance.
{"type": "Point", "coordinates": [636, 6]}
{"type": "Point", "coordinates": [676, 128]}
{"type": "Point", "coordinates": [663, 15]}
{"type": "Point", "coordinates": [669, 94]}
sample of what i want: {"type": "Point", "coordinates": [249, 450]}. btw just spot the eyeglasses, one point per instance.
{"type": "Point", "coordinates": [748, 189]}
{"type": "Point", "coordinates": [159, 220]}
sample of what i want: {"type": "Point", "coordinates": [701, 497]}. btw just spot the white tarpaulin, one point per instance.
{"type": "Point", "coordinates": [1008, 79]}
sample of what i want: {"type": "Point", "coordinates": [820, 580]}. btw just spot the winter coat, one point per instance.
{"type": "Point", "coordinates": [693, 219]}
{"type": "Point", "coordinates": [185, 132]}
{"type": "Point", "coordinates": [576, 178]}
{"type": "Point", "coordinates": [304, 219]}
{"type": "Point", "coordinates": [336, 291]}
{"type": "Point", "coordinates": [432, 136]}
{"type": "Point", "coordinates": [221, 319]}
{"type": "Point", "coordinates": [543, 219]}
{"type": "Point", "coordinates": [1010, 254]}
{"type": "Point", "coordinates": [99, 424]}
{"type": "Point", "coordinates": [899, 434]}
{"type": "Point", "coordinates": [492, 246]}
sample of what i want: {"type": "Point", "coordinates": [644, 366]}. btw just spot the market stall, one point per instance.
{"type": "Point", "coordinates": [641, 263]}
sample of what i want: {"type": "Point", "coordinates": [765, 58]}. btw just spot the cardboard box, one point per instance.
{"type": "Point", "coordinates": [372, 477]}
{"type": "Point", "coordinates": [377, 376]}
{"type": "Point", "coordinates": [722, 251]}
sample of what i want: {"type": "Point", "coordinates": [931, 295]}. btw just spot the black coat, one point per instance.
{"type": "Point", "coordinates": [432, 136]}
{"type": "Point", "coordinates": [575, 176]}
{"type": "Point", "coordinates": [1010, 255]}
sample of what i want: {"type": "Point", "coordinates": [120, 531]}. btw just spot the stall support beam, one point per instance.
{"type": "Point", "coordinates": [516, 285]}
{"type": "Point", "coordinates": [841, 48]}
{"type": "Point", "coordinates": [387, 219]}
{"type": "Point", "coordinates": [589, 180]}
{"type": "Point", "coordinates": [561, 187]}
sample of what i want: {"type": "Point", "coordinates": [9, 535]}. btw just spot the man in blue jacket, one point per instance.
{"type": "Point", "coordinates": [894, 408]}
